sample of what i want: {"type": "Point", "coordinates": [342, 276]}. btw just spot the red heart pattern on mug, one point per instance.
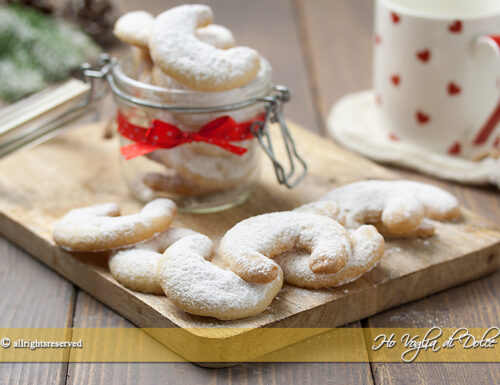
{"type": "Point", "coordinates": [422, 117]}
{"type": "Point", "coordinates": [424, 55]}
{"type": "Point", "coordinates": [395, 17]}
{"type": "Point", "coordinates": [395, 79]}
{"type": "Point", "coordinates": [454, 89]}
{"type": "Point", "coordinates": [456, 27]}
{"type": "Point", "coordinates": [423, 71]}
{"type": "Point", "coordinates": [455, 149]}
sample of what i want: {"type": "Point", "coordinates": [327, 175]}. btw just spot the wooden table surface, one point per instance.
{"type": "Point", "coordinates": [320, 49]}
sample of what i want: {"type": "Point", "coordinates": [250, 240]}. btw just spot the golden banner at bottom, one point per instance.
{"type": "Point", "coordinates": [232, 345]}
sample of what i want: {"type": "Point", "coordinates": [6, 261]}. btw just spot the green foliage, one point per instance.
{"type": "Point", "coordinates": [36, 50]}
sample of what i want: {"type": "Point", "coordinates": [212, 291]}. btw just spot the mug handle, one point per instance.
{"type": "Point", "coordinates": [487, 129]}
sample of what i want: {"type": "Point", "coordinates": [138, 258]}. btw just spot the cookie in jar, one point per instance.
{"type": "Point", "coordinates": [192, 110]}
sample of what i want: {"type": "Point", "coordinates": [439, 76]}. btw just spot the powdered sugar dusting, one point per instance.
{"type": "Point", "coordinates": [367, 250]}
{"type": "Point", "coordinates": [136, 270]}
{"type": "Point", "coordinates": [364, 202]}
{"type": "Point", "coordinates": [209, 171]}
{"type": "Point", "coordinates": [135, 267]}
{"type": "Point", "coordinates": [175, 48]}
{"type": "Point", "coordinates": [216, 35]}
{"type": "Point", "coordinates": [135, 28]}
{"type": "Point", "coordinates": [99, 228]}
{"type": "Point", "coordinates": [199, 287]}
{"type": "Point", "coordinates": [248, 246]}
{"type": "Point", "coordinates": [327, 208]}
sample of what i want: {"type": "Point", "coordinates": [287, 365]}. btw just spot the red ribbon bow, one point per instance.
{"type": "Point", "coordinates": [219, 132]}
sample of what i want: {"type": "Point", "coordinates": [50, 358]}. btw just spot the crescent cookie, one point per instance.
{"type": "Point", "coordinates": [326, 208]}
{"type": "Point", "coordinates": [396, 208]}
{"type": "Point", "coordinates": [209, 172]}
{"type": "Point", "coordinates": [367, 247]}
{"type": "Point", "coordinates": [192, 62]}
{"type": "Point", "coordinates": [173, 184]}
{"type": "Point", "coordinates": [331, 209]}
{"type": "Point", "coordinates": [216, 35]}
{"type": "Point", "coordinates": [142, 64]}
{"type": "Point", "coordinates": [248, 246]}
{"type": "Point", "coordinates": [135, 267]}
{"type": "Point", "coordinates": [100, 227]}
{"type": "Point", "coordinates": [160, 79]}
{"type": "Point", "coordinates": [199, 287]}
{"type": "Point", "coordinates": [213, 34]}
{"type": "Point", "coordinates": [135, 28]}
{"type": "Point", "coordinates": [424, 230]}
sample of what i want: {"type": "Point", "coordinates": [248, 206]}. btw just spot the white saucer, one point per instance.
{"type": "Point", "coordinates": [354, 123]}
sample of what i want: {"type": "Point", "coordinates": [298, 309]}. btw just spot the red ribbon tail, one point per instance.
{"type": "Point", "coordinates": [226, 146]}
{"type": "Point", "coordinates": [137, 149]}
{"type": "Point", "coordinates": [235, 149]}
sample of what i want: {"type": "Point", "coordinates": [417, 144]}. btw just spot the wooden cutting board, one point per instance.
{"type": "Point", "coordinates": [81, 168]}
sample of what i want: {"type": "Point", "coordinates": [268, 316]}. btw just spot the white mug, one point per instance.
{"type": "Point", "coordinates": [437, 73]}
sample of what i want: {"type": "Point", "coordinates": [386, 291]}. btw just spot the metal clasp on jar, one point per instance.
{"type": "Point", "coordinates": [289, 175]}
{"type": "Point", "coordinates": [274, 114]}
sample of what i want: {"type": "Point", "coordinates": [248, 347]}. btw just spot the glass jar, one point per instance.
{"type": "Point", "coordinates": [197, 174]}
{"type": "Point", "coordinates": [200, 149]}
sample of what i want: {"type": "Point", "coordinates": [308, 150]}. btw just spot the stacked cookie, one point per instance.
{"type": "Point", "coordinates": [150, 257]}
{"type": "Point", "coordinates": [181, 49]}
{"type": "Point", "coordinates": [326, 243]}
{"type": "Point", "coordinates": [369, 209]}
{"type": "Point", "coordinates": [188, 49]}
